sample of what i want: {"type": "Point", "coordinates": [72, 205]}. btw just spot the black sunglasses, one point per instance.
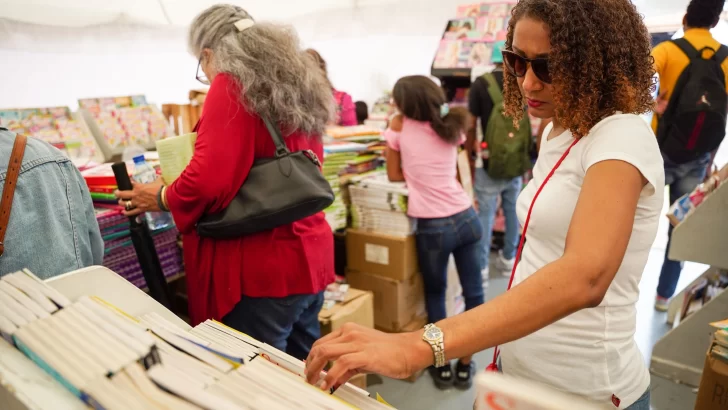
{"type": "Point", "coordinates": [201, 77]}
{"type": "Point", "coordinates": [518, 66]}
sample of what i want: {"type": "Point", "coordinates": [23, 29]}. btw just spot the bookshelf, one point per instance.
{"type": "Point", "coordinates": [700, 237]}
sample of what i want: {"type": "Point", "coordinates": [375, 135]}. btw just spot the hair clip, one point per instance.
{"type": "Point", "coordinates": [244, 24]}
{"type": "Point", "coordinates": [444, 110]}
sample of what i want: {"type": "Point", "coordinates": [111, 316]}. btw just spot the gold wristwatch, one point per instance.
{"type": "Point", "coordinates": [435, 338]}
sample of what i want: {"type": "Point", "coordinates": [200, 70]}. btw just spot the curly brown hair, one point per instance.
{"type": "Point", "coordinates": [600, 60]}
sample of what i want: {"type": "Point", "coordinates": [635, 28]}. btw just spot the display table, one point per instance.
{"type": "Point", "coordinates": [106, 284]}
{"type": "Point", "coordinates": [23, 385]}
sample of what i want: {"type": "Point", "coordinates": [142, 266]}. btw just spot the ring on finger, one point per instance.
{"type": "Point", "coordinates": [129, 205]}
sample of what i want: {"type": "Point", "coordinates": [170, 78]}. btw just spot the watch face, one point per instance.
{"type": "Point", "coordinates": [433, 333]}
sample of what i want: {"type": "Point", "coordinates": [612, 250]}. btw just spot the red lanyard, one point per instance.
{"type": "Point", "coordinates": [493, 367]}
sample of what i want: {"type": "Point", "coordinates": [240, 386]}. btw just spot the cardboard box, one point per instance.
{"type": "Point", "coordinates": [387, 256]}
{"type": "Point", "coordinates": [396, 303]}
{"type": "Point", "coordinates": [357, 308]}
{"type": "Point", "coordinates": [417, 324]}
{"type": "Point", "coordinates": [713, 392]}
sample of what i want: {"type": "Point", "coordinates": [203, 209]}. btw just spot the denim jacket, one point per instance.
{"type": "Point", "coordinates": [53, 227]}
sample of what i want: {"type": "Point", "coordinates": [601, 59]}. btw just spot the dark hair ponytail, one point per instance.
{"type": "Point", "coordinates": [452, 125]}
{"type": "Point", "coordinates": [420, 99]}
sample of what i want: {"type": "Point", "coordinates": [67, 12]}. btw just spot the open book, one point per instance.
{"type": "Point", "coordinates": [175, 153]}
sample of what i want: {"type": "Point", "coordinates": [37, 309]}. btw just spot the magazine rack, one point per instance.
{"type": "Point", "coordinates": [701, 237]}
{"type": "Point", "coordinates": [24, 386]}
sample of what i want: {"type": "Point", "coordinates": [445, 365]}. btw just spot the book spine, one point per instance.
{"type": "Point", "coordinates": [46, 367]}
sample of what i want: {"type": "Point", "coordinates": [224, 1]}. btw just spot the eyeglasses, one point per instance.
{"type": "Point", "coordinates": [518, 66]}
{"type": "Point", "coordinates": [201, 77]}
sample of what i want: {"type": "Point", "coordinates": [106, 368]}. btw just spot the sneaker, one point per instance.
{"type": "Point", "coordinates": [662, 304]}
{"type": "Point", "coordinates": [503, 265]}
{"type": "Point", "coordinates": [442, 376]}
{"type": "Point", "coordinates": [464, 374]}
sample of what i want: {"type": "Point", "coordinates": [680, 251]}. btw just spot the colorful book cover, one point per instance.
{"type": "Point", "coordinates": [492, 27]}
{"type": "Point", "coordinates": [447, 54]}
{"type": "Point", "coordinates": [499, 9]}
{"type": "Point", "coordinates": [466, 47]}
{"type": "Point", "coordinates": [460, 28]}
{"type": "Point", "coordinates": [469, 10]}
{"type": "Point", "coordinates": [480, 54]}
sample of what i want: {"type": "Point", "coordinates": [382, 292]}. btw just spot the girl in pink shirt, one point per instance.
{"type": "Point", "coordinates": [423, 143]}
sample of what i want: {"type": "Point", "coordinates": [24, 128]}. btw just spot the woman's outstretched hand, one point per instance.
{"type": "Point", "coordinates": [356, 349]}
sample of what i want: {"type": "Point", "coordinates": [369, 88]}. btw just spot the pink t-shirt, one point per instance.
{"type": "Point", "coordinates": [429, 165]}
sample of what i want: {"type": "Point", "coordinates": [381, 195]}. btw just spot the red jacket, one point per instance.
{"type": "Point", "coordinates": [288, 260]}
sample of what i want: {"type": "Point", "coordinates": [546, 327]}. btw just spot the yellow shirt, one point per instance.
{"type": "Point", "coordinates": [670, 61]}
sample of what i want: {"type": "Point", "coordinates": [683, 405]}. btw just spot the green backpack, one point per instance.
{"type": "Point", "coordinates": [508, 146]}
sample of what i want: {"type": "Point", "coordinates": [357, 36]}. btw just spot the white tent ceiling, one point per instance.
{"type": "Point", "coordinates": [75, 13]}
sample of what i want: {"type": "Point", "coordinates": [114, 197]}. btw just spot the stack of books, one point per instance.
{"type": "Point", "coordinates": [110, 360]}
{"type": "Point", "coordinates": [378, 205]}
{"type": "Point", "coordinates": [337, 156]}
{"type": "Point", "coordinates": [719, 349]}
{"type": "Point", "coordinates": [345, 161]}
{"type": "Point", "coordinates": [357, 133]}
{"type": "Point", "coordinates": [119, 253]}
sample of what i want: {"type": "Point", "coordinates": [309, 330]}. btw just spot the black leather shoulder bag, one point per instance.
{"type": "Point", "coordinates": [278, 191]}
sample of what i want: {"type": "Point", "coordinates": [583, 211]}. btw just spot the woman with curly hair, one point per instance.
{"type": "Point", "coordinates": [590, 215]}
{"type": "Point", "coordinates": [269, 284]}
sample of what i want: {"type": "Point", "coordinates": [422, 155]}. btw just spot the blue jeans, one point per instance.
{"type": "Point", "coordinates": [487, 190]}
{"type": "Point", "coordinates": [289, 324]}
{"type": "Point", "coordinates": [682, 179]}
{"type": "Point", "coordinates": [643, 403]}
{"type": "Point", "coordinates": [436, 239]}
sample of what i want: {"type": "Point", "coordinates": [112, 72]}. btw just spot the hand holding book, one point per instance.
{"type": "Point", "coordinates": [355, 349]}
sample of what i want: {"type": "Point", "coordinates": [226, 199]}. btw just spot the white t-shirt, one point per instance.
{"type": "Point", "coordinates": [591, 353]}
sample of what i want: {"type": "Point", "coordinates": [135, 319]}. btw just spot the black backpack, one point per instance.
{"type": "Point", "coordinates": [695, 120]}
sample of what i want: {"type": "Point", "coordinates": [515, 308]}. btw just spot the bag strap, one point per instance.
{"type": "Point", "coordinates": [721, 54]}
{"type": "Point", "coordinates": [494, 90]}
{"type": "Point", "coordinates": [11, 179]}
{"type": "Point", "coordinates": [494, 366]}
{"type": "Point", "coordinates": [686, 48]}
{"type": "Point", "coordinates": [275, 134]}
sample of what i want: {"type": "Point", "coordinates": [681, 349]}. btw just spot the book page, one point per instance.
{"type": "Point", "coordinates": [175, 153]}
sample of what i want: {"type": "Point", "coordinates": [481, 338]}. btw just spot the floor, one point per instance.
{"type": "Point", "coordinates": [651, 326]}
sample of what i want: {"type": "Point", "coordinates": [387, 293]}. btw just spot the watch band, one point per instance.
{"type": "Point", "coordinates": [439, 349]}
{"type": "Point", "coordinates": [437, 346]}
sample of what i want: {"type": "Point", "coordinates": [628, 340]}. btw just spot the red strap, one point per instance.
{"type": "Point", "coordinates": [493, 366]}
{"type": "Point", "coordinates": [693, 140]}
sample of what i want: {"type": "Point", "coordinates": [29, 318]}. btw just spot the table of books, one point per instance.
{"type": "Point", "coordinates": [105, 344]}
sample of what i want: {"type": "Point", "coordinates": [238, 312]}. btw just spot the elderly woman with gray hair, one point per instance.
{"type": "Point", "coordinates": [268, 285]}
